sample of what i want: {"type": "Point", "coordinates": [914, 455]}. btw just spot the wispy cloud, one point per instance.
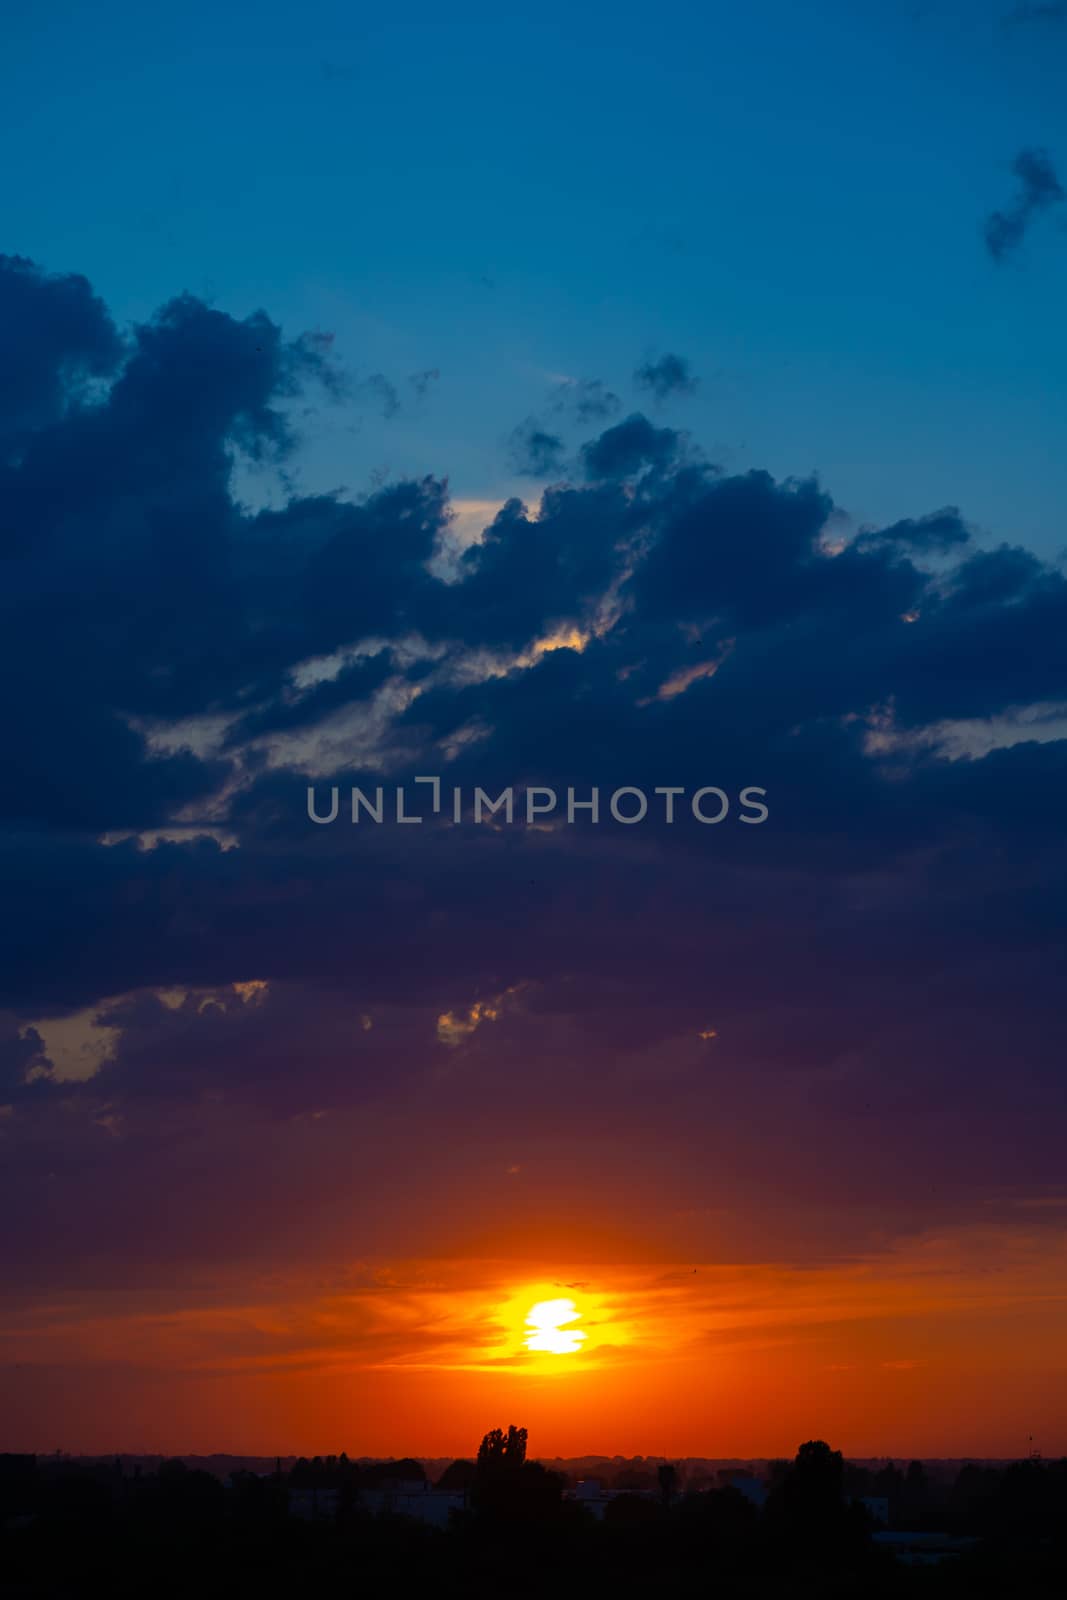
{"type": "Point", "coordinates": [1039, 188]}
{"type": "Point", "coordinates": [670, 374]}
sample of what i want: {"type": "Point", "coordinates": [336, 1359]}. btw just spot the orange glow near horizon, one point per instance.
{"type": "Point", "coordinates": [945, 1345]}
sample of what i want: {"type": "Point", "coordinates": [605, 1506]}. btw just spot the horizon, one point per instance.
{"type": "Point", "coordinates": [105, 1457]}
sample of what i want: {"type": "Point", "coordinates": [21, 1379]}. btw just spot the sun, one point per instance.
{"type": "Point", "coordinates": [549, 1328]}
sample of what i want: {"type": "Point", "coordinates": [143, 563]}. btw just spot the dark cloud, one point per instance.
{"type": "Point", "coordinates": [629, 447]}
{"type": "Point", "coordinates": [137, 589]}
{"type": "Point", "coordinates": [992, 577]}
{"type": "Point", "coordinates": [537, 447]}
{"type": "Point", "coordinates": [56, 337]}
{"type": "Point", "coordinates": [353, 685]}
{"type": "Point", "coordinates": [937, 531]}
{"type": "Point", "coordinates": [535, 452]}
{"type": "Point", "coordinates": [527, 577]}
{"type": "Point", "coordinates": [588, 400]}
{"type": "Point", "coordinates": [745, 548]}
{"type": "Point", "coordinates": [669, 375]}
{"type": "Point", "coordinates": [1039, 188]}
{"type": "Point", "coordinates": [22, 1062]}
{"type": "Point", "coordinates": [244, 1045]}
{"type": "Point", "coordinates": [880, 953]}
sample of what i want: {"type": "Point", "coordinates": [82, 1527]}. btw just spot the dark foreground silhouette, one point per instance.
{"type": "Point", "coordinates": [506, 1525]}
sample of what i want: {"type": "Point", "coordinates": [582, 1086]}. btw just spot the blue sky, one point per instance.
{"type": "Point", "coordinates": [792, 197]}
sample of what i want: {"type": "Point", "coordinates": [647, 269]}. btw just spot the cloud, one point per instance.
{"type": "Point", "coordinates": [535, 452]}
{"type": "Point", "coordinates": [669, 375]}
{"type": "Point", "coordinates": [421, 382]}
{"type": "Point", "coordinates": [22, 1061]}
{"type": "Point", "coordinates": [384, 394]}
{"type": "Point", "coordinates": [589, 400]}
{"type": "Point", "coordinates": [629, 447]}
{"type": "Point", "coordinates": [938, 531]}
{"type": "Point", "coordinates": [1039, 189]}
{"type": "Point", "coordinates": [454, 1027]}
{"type": "Point", "coordinates": [58, 338]}
{"type": "Point", "coordinates": [537, 447]}
{"type": "Point", "coordinates": [884, 950]}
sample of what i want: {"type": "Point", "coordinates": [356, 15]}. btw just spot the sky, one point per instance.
{"type": "Point", "coordinates": [588, 400]}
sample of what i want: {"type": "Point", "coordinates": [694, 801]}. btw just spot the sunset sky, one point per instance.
{"type": "Point", "coordinates": [590, 400]}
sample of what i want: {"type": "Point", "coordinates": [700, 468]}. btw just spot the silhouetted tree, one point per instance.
{"type": "Point", "coordinates": [818, 1472]}
{"type": "Point", "coordinates": [500, 1450]}
{"type": "Point", "coordinates": [914, 1496]}
{"type": "Point", "coordinates": [667, 1478]}
{"type": "Point", "coordinates": [633, 1479]}
{"type": "Point", "coordinates": [630, 1511]}
{"type": "Point", "coordinates": [458, 1475]}
{"type": "Point", "coordinates": [381, 1473]}
{"type": "Point", "coordinates": [972, 1495]}
{"type": "Point", "coordinates": [807, 1511]}
{"type": "Point", "coordinates": [721, 1519]}
{"type": "Point", "coordinates": [18, 1484]}
{"type": "Point", "coordinates": [889, 1482]}
{"type": "Point", "coordinates": [189, 1495]}
{"type": "Point", "coordinates": [507, 1487]}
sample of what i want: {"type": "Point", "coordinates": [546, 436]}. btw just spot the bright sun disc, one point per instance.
{"type": "Point", "coordinates": [549, 1332]}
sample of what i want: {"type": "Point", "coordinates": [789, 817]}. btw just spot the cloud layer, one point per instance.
{"type": "Point", "coordinates": [788, 1042]}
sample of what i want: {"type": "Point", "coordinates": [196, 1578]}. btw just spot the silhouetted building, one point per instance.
{"type": "Point", "coordinates": [878, 1507]}
{"type": "Point", "coordinates": [314, 1505]}
{"type": "Point", "coordinates": [591, 1494]}
{"type": "Point", "coordinates": [924, 1549]}
{"type": "Point", "coordinates": [753, 1489]}
{"type": "Point", "coordinates": [407, 1499]}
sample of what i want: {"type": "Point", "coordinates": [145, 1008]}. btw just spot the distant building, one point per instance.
{"type": "Point", "coordinates": [878, 1507]}
{"type": "Point", "coordinates": [923, 1549]}
{"type": "Point", "coordinates": [591, 1494]}
{"type": "Point", "coordinates": [753, 1489]}
{"type": "Point", "coordinates": [314, 1505]}
{"type": "Point", "coordinates": [405, 1498]}
{"type": "Point", "coordinates": [398, 1497]}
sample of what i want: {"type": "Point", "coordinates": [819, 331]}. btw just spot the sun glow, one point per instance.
{"type": "Point", "coordinates": [550, 1331]}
